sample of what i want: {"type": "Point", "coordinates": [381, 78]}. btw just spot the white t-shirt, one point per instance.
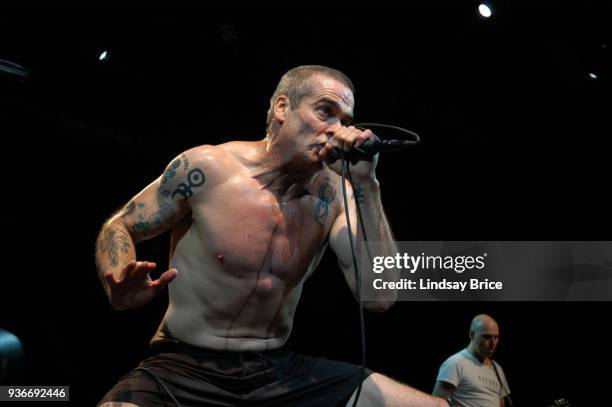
{"type": "Point", "coordinates": [477, 384]}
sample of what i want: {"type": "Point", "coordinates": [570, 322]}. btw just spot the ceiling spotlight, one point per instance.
{"type": "Point", "coordinates": [104, 55]}
{"type": "Point", "coordinates": [592, 76]}
{"type": "Point", "coordinates": [484, 10]}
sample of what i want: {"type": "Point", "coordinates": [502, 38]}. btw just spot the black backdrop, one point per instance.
{"type": "Point", "coordinates": [514, 147]}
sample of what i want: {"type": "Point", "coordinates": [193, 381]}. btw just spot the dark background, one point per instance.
{"type": "Point", "coordinates": [514, 146]}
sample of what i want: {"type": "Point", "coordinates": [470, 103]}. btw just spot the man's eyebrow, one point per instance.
{"type": "Point", "coordinates": [332, 102]}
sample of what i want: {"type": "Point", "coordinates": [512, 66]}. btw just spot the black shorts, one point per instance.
{"type": "Point", "coordinates": [202, 377]}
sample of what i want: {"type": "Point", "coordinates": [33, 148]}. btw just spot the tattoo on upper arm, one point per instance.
{"type": "Point", "coordinates": [359, 195]}
{"type": "Point", "coordinates": [327, 193]}
{"type": "Point", "coordinates": [195, 178]}
{"type": "Point", "coordinates": [113, 242]}
{"type": "Point", "coordinates": [154, 223]}
{"type": "Point", "coordinates": [130, 208]}
{"type": "Point", "coordinates": [168, 174]}
{"type": "Point", "coordinates": [170, 171]}
{"type": "Point", "coordinates": [185, 162]}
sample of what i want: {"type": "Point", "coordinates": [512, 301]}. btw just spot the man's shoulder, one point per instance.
{"type": "Point", "coordinates": [203, 151]}
{"type": "Point", "coordinates": [457, 358]}
{"type": "Point", "coordinates": [211, 155]}
{"type": "Point", "coordinates": [451, 369]}
{"type": "Point", "coordinates": [204, 164]}
{"type": "Point", "coordinates": [238, 147]}
{"type": "Point", "coordinates": [219, 158]}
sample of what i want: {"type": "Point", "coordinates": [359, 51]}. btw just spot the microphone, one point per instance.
{"type": "Point", "coordinates": [372, 147]}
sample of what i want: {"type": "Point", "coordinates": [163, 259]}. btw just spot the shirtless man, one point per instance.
{"type": "Point", "coordinates": [249, 223]}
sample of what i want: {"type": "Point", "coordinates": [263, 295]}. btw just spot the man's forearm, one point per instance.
{"type": "Point", "coordinates": [114, 249]}
{"type": "Point", "coordinates": [378, 232]}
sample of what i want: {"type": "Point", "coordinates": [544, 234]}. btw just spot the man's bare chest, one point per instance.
{"type": "Point", "coordinates": [247, 230]}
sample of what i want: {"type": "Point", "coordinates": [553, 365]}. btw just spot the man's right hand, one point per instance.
{"type": "Point", "coordinates": [132, 286]}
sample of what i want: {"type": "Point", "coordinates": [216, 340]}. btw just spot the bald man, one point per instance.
{"type": "Point", "coordinates": [470, 378]}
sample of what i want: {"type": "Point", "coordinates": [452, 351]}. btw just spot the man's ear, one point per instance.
{"type": "Point", "coordinates": [282, 105]}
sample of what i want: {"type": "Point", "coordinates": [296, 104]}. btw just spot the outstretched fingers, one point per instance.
{"type": "Point", "coordinates": [133, 269]}
{"type": "Point", "coordinates": [142, 269]}
{"type": "Point", "coordinates": [165, 278]}
{"type": "Point", "coordinates": [110, 277]}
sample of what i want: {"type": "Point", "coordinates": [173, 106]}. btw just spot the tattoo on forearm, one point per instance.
{"type": "Point", "coordinates": [155, 223]}
{"type": "Point", "coordinates": [359, 195]}
{"type": "Point", "coordinates": [195, 178]}
{"type": "Point", "coordinates": [327, 193]}
{"type": "Point", "coordinates": [113, 242]}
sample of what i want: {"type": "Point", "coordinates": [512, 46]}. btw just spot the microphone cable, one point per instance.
{"type": "Point", "coordinates": [362, 126]}
{"type": "Point", "coordinates": [346, 172]}
{"type": "Point", "coordinates": [346, 169]}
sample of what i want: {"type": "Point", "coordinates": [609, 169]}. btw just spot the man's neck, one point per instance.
{"type": "Point", "coordinates": [276, 172]}
{"type": "Point", "coordinates": [482, 359]}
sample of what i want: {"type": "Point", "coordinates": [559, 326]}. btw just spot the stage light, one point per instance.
{"type": "Point", "coordinates": [104, 55]}
{"type": "Point", "coordinates": [13, 68]}
{"type": "Point", "coordinates": [592, 76]}
{"type": "Point", "coordinates": [11, 356]}
{"type": "Point", "coordinates": [484, 10]}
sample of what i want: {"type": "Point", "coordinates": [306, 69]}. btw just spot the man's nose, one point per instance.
{"type": "Point", "coordinates": [333, 128]}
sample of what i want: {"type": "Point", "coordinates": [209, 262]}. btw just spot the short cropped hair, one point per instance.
{"type": "Point", "coordinates": [295, 85]}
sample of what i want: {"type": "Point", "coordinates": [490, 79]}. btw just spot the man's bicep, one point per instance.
{"type": "Point", "coordinates": [161, 204]}
{"type": "Point", "coordinates": [148, 214]}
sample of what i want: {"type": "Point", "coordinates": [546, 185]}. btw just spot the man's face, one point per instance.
{"type": "Point", "coordinates": [486, 339]}
{"type": "Point", "coordinates": [327, 108]}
